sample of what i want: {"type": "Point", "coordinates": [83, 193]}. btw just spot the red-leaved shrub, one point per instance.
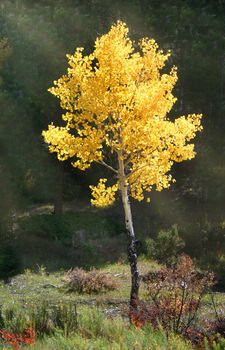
{"type": "Point", "coordinates": [174, 299]}
{"type": "Point", "coordinates": [18, 340]}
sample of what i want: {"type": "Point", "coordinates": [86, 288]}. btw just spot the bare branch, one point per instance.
{"type": "Point", "coordinates": [107, 166]}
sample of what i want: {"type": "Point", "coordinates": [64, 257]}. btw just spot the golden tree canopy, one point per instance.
{"type": "Point", "coordinates": [116, 102]}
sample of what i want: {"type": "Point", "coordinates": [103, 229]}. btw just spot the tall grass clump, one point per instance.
{"type": "Point", "coordinates": [45, 317]}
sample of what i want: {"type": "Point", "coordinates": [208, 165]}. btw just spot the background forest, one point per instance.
{"type": "Point", "coordinates": [45, 212]}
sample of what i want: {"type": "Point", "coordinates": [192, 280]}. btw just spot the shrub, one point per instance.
{"type": "Point", "coordinates": [175, 299]}
{"type": "Point", "coordinates": [166, 247]}
{"type": "Point", "coordinates": [16, 341]}
{"type": "Point", "coordinates": [94, 281]}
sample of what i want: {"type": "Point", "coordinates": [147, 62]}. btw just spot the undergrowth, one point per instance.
{"type": "Point", "coordinates": [94, 281]}
{"type": "Point", "coordinates": [97, 332]}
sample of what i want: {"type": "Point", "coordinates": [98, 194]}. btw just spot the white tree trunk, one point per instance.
{"type": "Point", "coordinates": [132, 252]}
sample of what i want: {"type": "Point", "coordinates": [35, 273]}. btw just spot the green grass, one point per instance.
{"type": "Point", "coordinates": [97, 332]}
{"type": "Point", "coordinates": [30, 286]}
{"type": "Point", "coordinates": [101, 322]}
{"type": "Point", "coordinates": [129, 340]}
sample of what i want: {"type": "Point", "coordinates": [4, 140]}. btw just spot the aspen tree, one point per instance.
{"type": "Point", "coordinates": [116, 103]}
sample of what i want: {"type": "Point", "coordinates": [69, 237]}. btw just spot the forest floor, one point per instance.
{"type": "Point", "coordinates": [110, 331]}
{"type": "Point", "coordinates": [42, 284]}
{"type": "Point", "coordinates": [103, 321]}
{"type": "Point", "coordinates": [31, 287]}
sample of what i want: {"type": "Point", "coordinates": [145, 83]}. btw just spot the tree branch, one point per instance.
{"type": "Point", "coordinates": [137, 169]}
{"type": "Point", "coordinates": [107, 166]}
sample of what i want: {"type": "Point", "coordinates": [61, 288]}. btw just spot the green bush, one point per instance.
{"type": "Point", "coordinates": [166, 246]}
